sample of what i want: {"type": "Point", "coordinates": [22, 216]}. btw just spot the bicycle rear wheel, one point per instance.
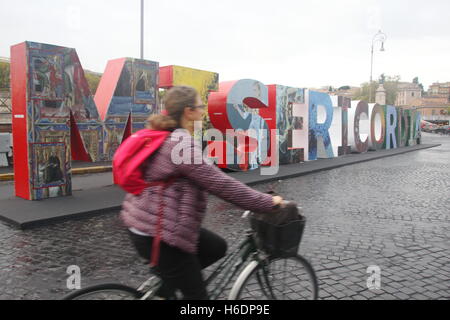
{"type": "Point", "coordinates": [107, 291]}
{"type": "Point", "coordinates": [277, 279]}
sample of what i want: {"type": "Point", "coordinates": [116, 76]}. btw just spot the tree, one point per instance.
{"type": "Point", "coordinates": [364, 92]}
{"type": "Point", "coordinates": [4, 75]}
{"type": "Point", "coordinates": [93, 81]}
{"type": "Point", "coordinates": [390, 84]}
{"type": "Point", "coordinates": [416, 81]}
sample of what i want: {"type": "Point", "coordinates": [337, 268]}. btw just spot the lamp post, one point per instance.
{"type": "Point", "coordinates": [142, 29]}
{"type": "Point", "coordinates": [380, 36]}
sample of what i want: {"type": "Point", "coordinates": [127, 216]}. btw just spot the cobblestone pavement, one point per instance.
{"type": "Point", "coordinates": [392, 212]}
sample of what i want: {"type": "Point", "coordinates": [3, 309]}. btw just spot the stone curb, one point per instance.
{"type": "Point", "coordinates": [75, 171]}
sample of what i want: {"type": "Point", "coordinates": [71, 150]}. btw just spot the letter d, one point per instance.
{"type": "Point", "coordinates": [374, 281]}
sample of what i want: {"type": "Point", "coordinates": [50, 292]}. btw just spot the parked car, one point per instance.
{"type": "Point", "coordinates": [429, 127]}
{"type": "Point", "coordinates": [443, 130]}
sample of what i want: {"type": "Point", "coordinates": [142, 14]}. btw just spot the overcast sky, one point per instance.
{"type": "Point", "coordinates": [301, 43]}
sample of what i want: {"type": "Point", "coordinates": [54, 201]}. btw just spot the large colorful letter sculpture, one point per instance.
{"type": "Point", "coordinates": [320, 107]}
{"type": "Point", "coordinates": [240, 109]}
{"type": "Point", "coordinates": [391, 127]}
{"type": "Point", "coordinates": [340, 124]}
{"type": "Point", "coordinates": [292, 115]}
{"type": "Point", "coordinates": [359, 122]}
{"type": "Point", "coordinates": [203, 81]}
{"type": "Point", "coordinates": [127, 94]}
{"type": "Point", "coordinates": [248, 124]}
{"type": "Point", "coordinates": [377, 127]}
{"type": "Point", "coordinates": [50, 94]}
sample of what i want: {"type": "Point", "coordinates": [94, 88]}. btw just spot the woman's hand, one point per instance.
{"type": "Point", "coordinates": [277, 200]}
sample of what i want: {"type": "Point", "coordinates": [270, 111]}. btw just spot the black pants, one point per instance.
{"type": "Point", "coordinates": [182, 270]}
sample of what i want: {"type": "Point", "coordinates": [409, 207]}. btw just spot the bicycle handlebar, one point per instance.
{"type": "Point", "coordinates": [285, 202]}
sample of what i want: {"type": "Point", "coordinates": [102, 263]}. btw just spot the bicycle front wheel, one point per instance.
{"type": "Point", "coordinates": [277, 279]}
{"type": "Point", "coordinates": [108, 291]}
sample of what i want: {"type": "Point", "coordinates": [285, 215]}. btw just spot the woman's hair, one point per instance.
{"type": "Point", "coordinates": [175, 100]}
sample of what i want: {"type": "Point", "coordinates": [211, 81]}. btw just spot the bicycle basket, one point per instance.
{"type": "Point", "coordinates": [278, 240]}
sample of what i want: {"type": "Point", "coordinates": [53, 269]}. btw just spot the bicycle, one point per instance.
{"type": "Point", "coordinates": [262, 277]}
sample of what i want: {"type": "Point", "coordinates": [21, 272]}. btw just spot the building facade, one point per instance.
{"type": "Point", "coordinates": [407, 93]}
{"type": "Point", "coordinates": [5, 112]}
{"type": "Point", "coordinates": [440, 90]}
{"type": "Point", "coordinates": [433, 109]}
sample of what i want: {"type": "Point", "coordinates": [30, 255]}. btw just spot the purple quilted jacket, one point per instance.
{"type": "Point", "coordinates": [185, 199]}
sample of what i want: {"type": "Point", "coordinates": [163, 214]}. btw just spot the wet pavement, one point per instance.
{"type": "Point", "coordinates": [392, 213]}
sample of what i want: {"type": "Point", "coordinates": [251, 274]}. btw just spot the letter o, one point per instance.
{"type": "Point", "coordinates": [377, 127]}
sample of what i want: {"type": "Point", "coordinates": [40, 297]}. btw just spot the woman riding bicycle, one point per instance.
{"type": "Point", "coordinates": [185, 248]}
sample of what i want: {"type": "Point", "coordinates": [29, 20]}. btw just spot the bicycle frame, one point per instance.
{"type": "Point", "coordinates": [232, 263]}
{"type": "Point", "coordinates": [243, 255]}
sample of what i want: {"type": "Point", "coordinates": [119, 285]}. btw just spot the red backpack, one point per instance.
{"type": "Point", "coordinates": [130, 157]}
{"type": "Point", "coordinates": [128, 171]}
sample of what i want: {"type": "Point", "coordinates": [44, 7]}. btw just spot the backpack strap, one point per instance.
{"type": "Point", "coordinates": [157, 239]}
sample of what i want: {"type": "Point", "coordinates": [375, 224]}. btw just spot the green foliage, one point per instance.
{"type": "Point", "coordinates": [93, 81]}
{"type": "Point", "coordinates": [364, 92]}
{"type": "Point", "coordinates": [4, 75]}
{"type": "Point", "coordinates": [416, 81]}
{"type": "Point", "coordinates": [391, 91]}
{"type": "Point", "coordinates": [161, 94]}
{"type": "Point", "coordinates": [390, 84]}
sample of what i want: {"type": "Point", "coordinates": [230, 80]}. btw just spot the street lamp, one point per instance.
{"type": "Point", "coordinates": [380, 36]}
{"type": "Point", "coordinates": [142, 29]}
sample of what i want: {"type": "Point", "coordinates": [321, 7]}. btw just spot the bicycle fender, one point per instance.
{"type": "Point", "coordinates": [240, 280]}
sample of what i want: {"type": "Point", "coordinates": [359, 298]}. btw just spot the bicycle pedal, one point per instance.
{"type": "Point", "coordinates": [152, 282]}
